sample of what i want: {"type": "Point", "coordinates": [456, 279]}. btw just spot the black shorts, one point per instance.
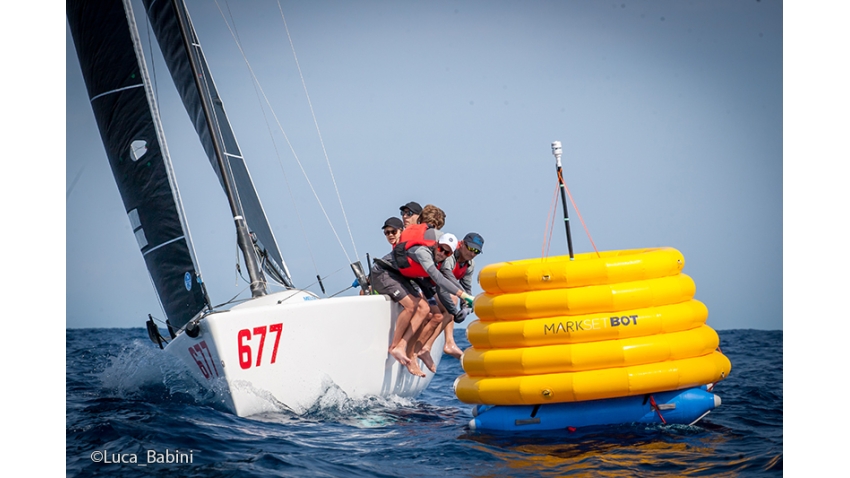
{"type": "Point", "coordinates": [392, 283]}
{"type": "Point", "coordinates": [428, 289]}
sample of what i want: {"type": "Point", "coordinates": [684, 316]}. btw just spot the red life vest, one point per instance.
{"type": "Point", "coordinates": [412, 236]}
{"type": "Point", "coordinates": [460, 271]}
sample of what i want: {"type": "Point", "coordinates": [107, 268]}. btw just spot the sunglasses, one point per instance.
{"type": "Point", "coordinates": [474, 250]}
{"type": "Point", "coordinates": [407, 213]}
{"type": "Point", "coordinates": [390, 232]}
{"type": "Point", "coordinates": [446, 251]}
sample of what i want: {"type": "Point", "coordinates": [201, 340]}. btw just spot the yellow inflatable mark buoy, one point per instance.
{"type": "Point", "coordinates": [585, 300]}
{"type": "Point", "coordinates": [589, 356]}
{"type": "Point", "coordinates": [587, 328]}
{"type": "Point", "coordinates": [593, 384]}
{"type": "Point", "coordinates": [604, 325]}
{"type": "Point", "coordinates": [608, 267]}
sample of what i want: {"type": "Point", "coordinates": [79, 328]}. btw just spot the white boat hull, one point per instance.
{"type": "Point", "coordinates": [288, 348]}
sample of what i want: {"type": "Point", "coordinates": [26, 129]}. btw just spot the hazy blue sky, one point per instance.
{"type": "Point", "coordinates": [670, 114]}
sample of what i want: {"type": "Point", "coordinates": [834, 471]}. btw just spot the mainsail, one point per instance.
{"type": "Point", "coordinates": [108, 48]}
{"type": "Point", "coordinates": [164, 22]}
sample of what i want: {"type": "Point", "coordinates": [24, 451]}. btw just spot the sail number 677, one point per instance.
{"type": "Point", "coordinates": [246, 340]}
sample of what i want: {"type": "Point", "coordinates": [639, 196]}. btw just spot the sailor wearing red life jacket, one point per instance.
{"type": "Point", "coordinates": [419, 251]}
{"type": "Point", "coordinates": [417, 256]}
{"type": "Point", "coordinates": [386, 280]}
{"type": "Point", "coordinates": [459, 266]}
{"type": "Point", "coordinates": [462, 263]}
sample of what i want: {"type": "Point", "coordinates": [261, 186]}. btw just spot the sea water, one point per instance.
{"type": "Point", "coordinates": [132, 412]}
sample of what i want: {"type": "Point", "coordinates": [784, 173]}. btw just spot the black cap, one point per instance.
{"type": "Point", "coordinates": [475, 240]}
{"type": "Point", "coordinates": [394, 223]}
{"type": "Point", "coordinates": [414, 207]}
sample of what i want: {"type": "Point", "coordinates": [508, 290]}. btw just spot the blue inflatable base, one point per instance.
{"type": "Point", "coordinates": [677, 407]}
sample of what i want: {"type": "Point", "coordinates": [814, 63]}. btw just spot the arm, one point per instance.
{"type": "Point", "coordinates": [425, 258]}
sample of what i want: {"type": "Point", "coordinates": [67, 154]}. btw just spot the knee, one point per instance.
{"type": "Point", "coordinates": [410, 307]}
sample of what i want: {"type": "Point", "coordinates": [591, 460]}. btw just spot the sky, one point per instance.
{"type": "Point", "coordinates": [670, 115]}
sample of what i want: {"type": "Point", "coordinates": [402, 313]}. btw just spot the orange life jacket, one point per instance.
{"type": "Point", "coordinates": [412, 236]}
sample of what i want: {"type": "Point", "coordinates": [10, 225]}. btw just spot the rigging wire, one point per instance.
{"type": "Point", "coordinates": [315, 122]}
{"type": "Point", "coordinates": [280, 127]}
{"type": "Point", "coordinates": [586, 230]}
{"type": "Point", "coordinates": [547, 233]}
{"type": "Point", "coordinates": [277, 153]}
{"type": "Point", "coordinates": [547, 244]}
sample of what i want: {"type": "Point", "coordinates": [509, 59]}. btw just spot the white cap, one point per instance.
{"type": "Point", "coordinates": [450, 240]}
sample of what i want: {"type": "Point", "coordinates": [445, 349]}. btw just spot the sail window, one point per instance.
{"type": "Point", "coordinates": [136, 224]}
{"type": "Point", "coordinates": [138, 148]}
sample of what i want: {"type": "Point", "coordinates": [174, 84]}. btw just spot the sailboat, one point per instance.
{"type": "Point", "coordinates": [279, 349]}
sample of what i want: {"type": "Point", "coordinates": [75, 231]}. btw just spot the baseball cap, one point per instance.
{"type": "Point", "coordinates": [414, 207]}
{"type": "Point", "coordinates": [475, 240]}
{"type": "Point", "coordinates": [449, 239]}
{"type": "Point", "coordinates": [394, 223]}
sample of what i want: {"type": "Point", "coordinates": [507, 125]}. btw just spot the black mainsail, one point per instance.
{"type": "Point", "coordinates": [164, 20]}
{"type": "Point", "coordinates": [121, 97]}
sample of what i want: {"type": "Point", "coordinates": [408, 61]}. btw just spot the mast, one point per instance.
{"type": "Point", "coordinates": [556, 151]}
{"type": "Point", "coordinates": [184, 56]}
{"type": "Point", "coordinates": [243, 237]}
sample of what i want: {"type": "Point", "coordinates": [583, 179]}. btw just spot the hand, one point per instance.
{"type": "Point", "coordinates": [467, 298]}
{"type": "Point", "coordinates": [461, 316]}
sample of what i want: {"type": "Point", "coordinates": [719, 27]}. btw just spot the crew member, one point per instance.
{"type": "Point", "coordinates": [410, 213]}
{"type": "Point", "coordinates": [461, 266]}
{"type": "Point", "coordinates": [417, 256]}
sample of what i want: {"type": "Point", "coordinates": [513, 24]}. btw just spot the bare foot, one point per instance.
{"type": "Point", "coordinates": [400, 356]}
{"type": "Point", "coordinates": [414, 369]}
{"type": "Point", "coordinates": [453, 350]}
{"type": "Point", "coordinates": [425, 356]}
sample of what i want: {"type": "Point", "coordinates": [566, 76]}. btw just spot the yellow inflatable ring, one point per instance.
{"type": "Point", "coordinates": [587, 328]}
{"type": "Point", "coordinates": [585, 300]}
{"type": "Point", "coordinates": [607, 267]}
{"type": "Point", "coordinates": [594, 384]}
{"type": "Point", "coordinates": [549, 359]}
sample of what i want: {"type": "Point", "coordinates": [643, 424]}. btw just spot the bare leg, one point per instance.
{"type": "Point", "coordinates": [411, 337]}
{"type": "Point", "coordinates": [401, 348]}
{"type": "Point", "coordinates": [403, 319]}
{"type": "Point", "coordinates": [451, 347]}
{"type": "Point", "coordinates": [444, 326]}
{"type": "Point", "coordinates": [423, 350]}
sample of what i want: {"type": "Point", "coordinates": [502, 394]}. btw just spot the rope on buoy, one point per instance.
{"type": "Point", "coordinates": [657, 410]}
{"type": "Point", "coordinates": [550, 226]}
{"type": "Point", "coordinates": [586, 231]}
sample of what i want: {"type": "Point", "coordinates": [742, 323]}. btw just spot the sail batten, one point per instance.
{"type": "Point", "coordinates": [163, 244]}
{"type": "Point", "coordinates": [112, 64]}
{"type": "Point", "coordinates": [140, 85]}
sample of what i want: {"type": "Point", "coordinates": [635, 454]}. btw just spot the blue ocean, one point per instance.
{"type": "Point", "coordinates": [125, 400]}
